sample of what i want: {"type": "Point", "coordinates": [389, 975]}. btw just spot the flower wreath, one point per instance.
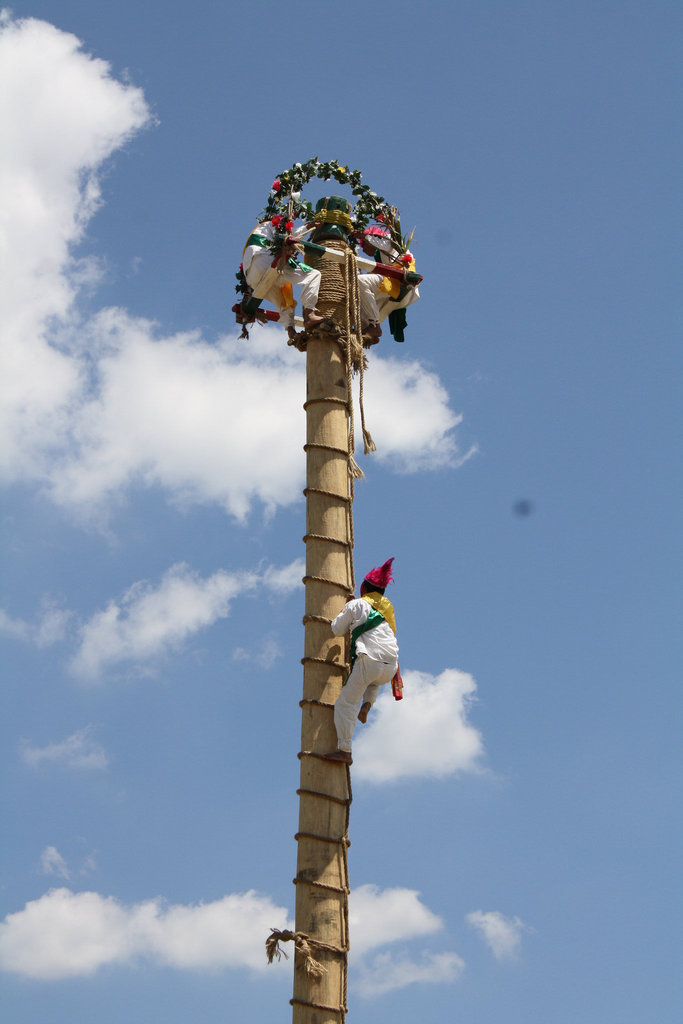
{"type": "Point", "coordinates": [285, 204]}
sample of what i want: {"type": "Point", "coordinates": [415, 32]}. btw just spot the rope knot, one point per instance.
{"type": "Point", "coordinates": [302, 951]}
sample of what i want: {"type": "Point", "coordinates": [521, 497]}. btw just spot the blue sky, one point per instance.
{"type": "Point", "coordinates": [516, 824]}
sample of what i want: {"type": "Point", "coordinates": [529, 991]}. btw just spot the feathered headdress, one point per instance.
{"type": "Point", "coordinates": [376, 232]}
{"type": "Point", "coordinates": [381, 576]}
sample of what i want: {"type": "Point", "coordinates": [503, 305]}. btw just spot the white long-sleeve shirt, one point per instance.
{"type": "Point", "coordinates": [379, 643]}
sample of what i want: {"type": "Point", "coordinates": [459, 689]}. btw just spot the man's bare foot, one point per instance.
{"type": "Point", "coordinates": [364, 711]}
{"type": "Point", "coordinates": [312, 318]}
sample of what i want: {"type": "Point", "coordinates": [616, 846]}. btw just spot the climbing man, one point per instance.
{"type": "Point", "coordinates": [374, 655]}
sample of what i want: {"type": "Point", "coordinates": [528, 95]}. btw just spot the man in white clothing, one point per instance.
{"type": "Point", "coordinates": [383, 296]}
{"type": "Point", "coordinates": [374, 655]}
{"type": "Point", "coordinates": [257, 260]}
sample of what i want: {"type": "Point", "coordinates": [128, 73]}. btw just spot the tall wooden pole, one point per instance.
{"type": "Point", "coordinates": [325, 792]}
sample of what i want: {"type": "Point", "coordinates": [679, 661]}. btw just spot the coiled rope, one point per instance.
{"type": "Point", "coordinates": [304, 945]}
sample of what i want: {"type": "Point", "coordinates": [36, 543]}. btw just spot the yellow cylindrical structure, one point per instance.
{"type": "Point", "coordinates": [325, 792]}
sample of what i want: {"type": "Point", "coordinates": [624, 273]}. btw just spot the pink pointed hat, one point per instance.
{"type": "Point", "coordinates": [381, 576]}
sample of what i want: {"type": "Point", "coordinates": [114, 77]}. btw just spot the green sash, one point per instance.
{"type": "Point", "coordinates": [373, 619]}
{"type": "Point", "coordinates": [265, 244]}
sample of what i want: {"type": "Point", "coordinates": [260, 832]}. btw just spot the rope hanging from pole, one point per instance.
{"type": "Point", "coordinates": [302, 949]}
{"type": "Point", "coordinates": [355, 357]}
{"type": "Point", "coordinates": [341, 286]}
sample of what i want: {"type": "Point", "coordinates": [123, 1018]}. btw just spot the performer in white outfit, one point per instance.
{"type": "Point", "coordinates": [374, 655]}
{"type": "Point", "coordinates": [257, 260]}
{"type": "Point", "coordinates": [381, 296]}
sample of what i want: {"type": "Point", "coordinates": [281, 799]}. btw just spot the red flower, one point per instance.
{"type": "Point", "coordinates": [406, 258]}
{"type": "Point", "coordinates": [380, 218]}
{"type": "Point", "coordinates": [242, 267]}
{"type": "Point", "coordinates": [277, 185]}
{"type": "Point", "coordinates": [276, 220]}
{"type": "Point", "coordinates": [289, 225]}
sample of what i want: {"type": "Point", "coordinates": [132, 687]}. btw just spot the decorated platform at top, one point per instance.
{"type": "Point", "coordinates": [272, 258]}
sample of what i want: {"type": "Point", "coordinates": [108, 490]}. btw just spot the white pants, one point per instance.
{"type": "Point", "coordinates": [367, 675]}
{"type": "Point", "coordinates": [375, 304]}
{"type": "Point", "coordinates": [308, 279]}
{"type": "Point", "coordinates": [367, 289]}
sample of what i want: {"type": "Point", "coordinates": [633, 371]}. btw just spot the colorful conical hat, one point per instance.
{"type": "Point", "coordinates": [381, 576]}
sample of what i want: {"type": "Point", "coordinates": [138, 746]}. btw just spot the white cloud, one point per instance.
{"type": "Point", "coordinates": [229, 932]}
{"type": "Point", "coordinates": [52, 863]}
{"type": "Point", "coordinates": [207, 423]}
{"type": "Point", "coordinates": [266, 656]}
{"type": "Point", "coordinates": [62, 115]}
{"type": "Point", "coordinates": [89, 865]}
{"type": "Point", "coordinates": [378, 916]}
{"type": "Point", "coordinates": [17, 629]}
{"type": "Point", "coordinates": [388, 971]}
{"type": "Point", "coordinates": [92, 406]}
{"type": "Point", "coordinates": [219, 423]}
{"type": "Point", "coordinates": [503, 935]}
{"type": "Point", "coordinates": [286, 579]}
{"type": "Point", "coordinates": [409, 416]}
{"type": "Point", "coordinates": [77, 751]}
{"type": "Point", "coordinates": [65, 934]}
{"type": "Point", "coordinates": [425, 734]}
{"type": "Point", "coordinates": [50, 628]}
{"type": "Point", "coordinates": [149, 621]}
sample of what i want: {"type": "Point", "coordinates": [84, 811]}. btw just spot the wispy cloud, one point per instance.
{"type": "Point", "coordinates": [265, 656]}
{"type": "Point", "coordinates": [426, 734]}
{"type": "Point", "coordinates": [148, 621]}
{"type": "Point", "coordinates": [52, 863]}
{"type": "Point", "coordinates": [16, 629]}
{"type": "Point", "coordinates": [89, 865]}
{"type": "Point", "coordinates": [285, 579]}
{"type": "Point", "coordinates": [388, 971]}
{"type": "Point", "coordinates": [50, 628]}
{"type": "Point", "coordinates": [379, 917]}
{"type": "Point", "coordinates": [503, 935]}
{"type": "Point", "coordinates": [77, 751]}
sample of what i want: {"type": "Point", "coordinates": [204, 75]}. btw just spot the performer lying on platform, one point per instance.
{"type": "Point", "coordinates": [374, 655]}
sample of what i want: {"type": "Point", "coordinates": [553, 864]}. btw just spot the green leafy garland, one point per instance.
{"type": "Point", "coordinates": [285, 204]}
{"type": "Point", "coordinates": [284, 198]}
